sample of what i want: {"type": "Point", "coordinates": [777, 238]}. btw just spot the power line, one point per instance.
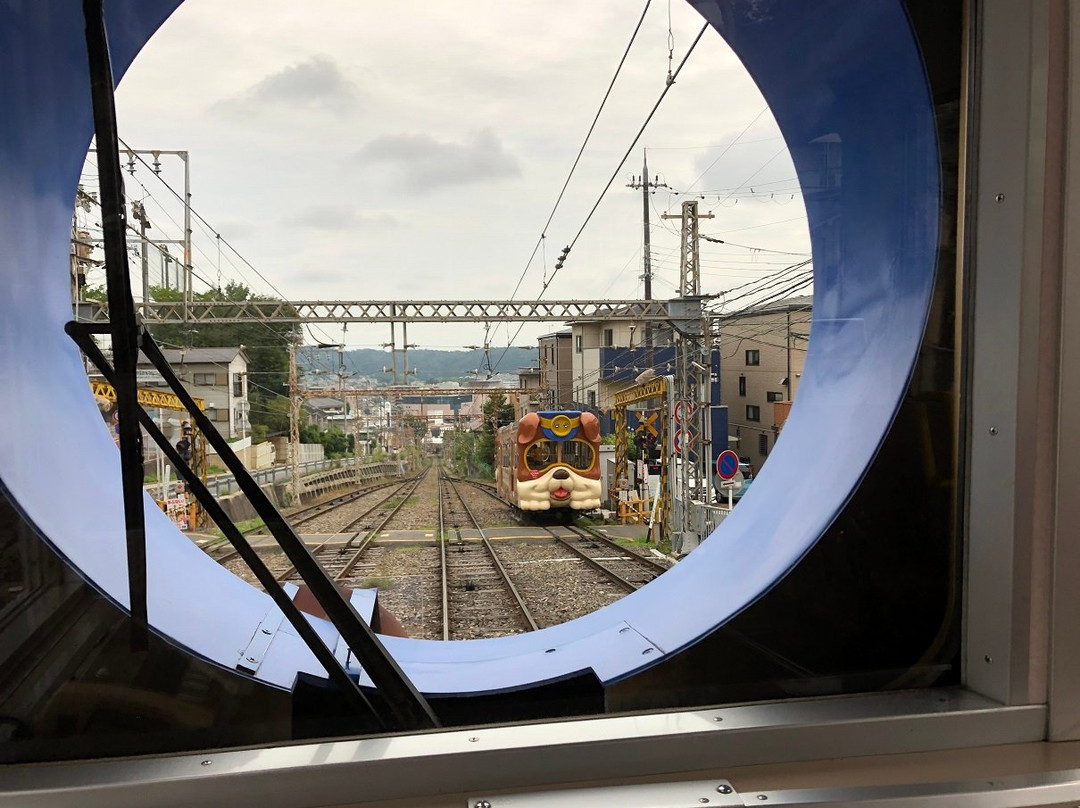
{"type": "Point", "coordinates": [725, 151]}
{"type": "Point", "coordinates": [633, 143]}
{"type": "Point", "coordinates": [584, 143]}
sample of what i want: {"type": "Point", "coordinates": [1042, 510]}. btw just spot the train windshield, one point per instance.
{"type": "Point", "coordinates": [540, 455]}
{"type": "Point", "coordinates": [578, 455]}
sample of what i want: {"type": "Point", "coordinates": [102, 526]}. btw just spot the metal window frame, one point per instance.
{"type": "Point", "coordinates": [1020, 476]}
{"type": "Point", "coordinates": [485, 759]}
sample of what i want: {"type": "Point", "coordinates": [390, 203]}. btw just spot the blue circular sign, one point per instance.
{"type": "Point", "coordinates": [727, 464]}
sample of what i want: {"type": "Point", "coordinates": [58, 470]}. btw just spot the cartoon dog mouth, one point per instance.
{"type": "Point", "coordinates": [560, 494]}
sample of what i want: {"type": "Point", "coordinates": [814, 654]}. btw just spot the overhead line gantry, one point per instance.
{"type": "Point", "coordinates": [384, 311]}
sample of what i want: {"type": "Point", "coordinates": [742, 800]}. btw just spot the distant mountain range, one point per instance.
{"type": "Point", "coordinates": [431, 366]}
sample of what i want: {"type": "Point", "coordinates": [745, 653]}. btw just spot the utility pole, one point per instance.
{"type": "Point", "coordinates": [393, 355]}
{"type": "Point", "coordinates": [693, 352]}
{"type": "Point", "coordinates": [646, 185]}
{"type": "Point", "coordinates": [294, 425]}
{"type": "Point", "coordinates": [787, 346]}
{"type": "Point", "coordinates": [139, 213]}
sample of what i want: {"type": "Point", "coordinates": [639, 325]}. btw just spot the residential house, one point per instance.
{"type": "Point", "coordinates": [763, 351]}
{"type": "Point", "coordinates": [557, 370]}
{"type": "Point", "coordinates": [219, 376]}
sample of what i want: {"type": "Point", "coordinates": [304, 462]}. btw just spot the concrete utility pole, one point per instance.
{"type": "Point", "coordinates": [646, 185]}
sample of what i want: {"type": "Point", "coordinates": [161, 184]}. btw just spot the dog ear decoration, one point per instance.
{"type": "Point", "coordinates": [590, 424]}
{"type": "Point", "coordinates": [527, 428]}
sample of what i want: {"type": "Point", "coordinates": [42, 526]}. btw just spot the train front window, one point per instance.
{"type": "Point", "coordinates": [578, 455]}
{"type": "Point", "coordinates": [540, 455]}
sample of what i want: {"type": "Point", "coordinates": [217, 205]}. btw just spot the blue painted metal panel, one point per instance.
{"type": "Point", "coordinates": [845, 82]}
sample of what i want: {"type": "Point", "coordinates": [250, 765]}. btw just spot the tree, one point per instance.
{"type": "Point", "coordinates": [266, 345]}
{"type": "Point", "coordinates": [416, 425]}
{"type": "Point", "coordinates": [498, 412]}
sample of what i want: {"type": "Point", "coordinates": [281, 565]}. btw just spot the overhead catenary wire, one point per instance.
{"type": "Point", "coordinates": [548, 279]}
{"type": "Point", "coordinates": [581, 150]}
{"type": "Point", "coordinates": [630, 148]}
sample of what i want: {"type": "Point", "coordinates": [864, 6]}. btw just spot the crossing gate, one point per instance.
{"type": "Point", "coordinates": [659, 391]}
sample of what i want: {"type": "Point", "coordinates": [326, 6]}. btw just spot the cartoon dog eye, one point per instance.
{"type": "Point", "coordinates": [539, 455]}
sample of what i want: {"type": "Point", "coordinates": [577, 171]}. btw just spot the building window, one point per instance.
{"type": "Point", "coordinates": [773, 396]}
{"type": "Point", "coordinates": [742, 385]}
{"type": "Point", "coordinates": [763, 445]}
{"type": "Point", "coordinates": [577, 343]}
{"type": "Point", "coordinates": [609, 337]}
{"type": "Point", "coordinates": [238, 384]}
{"type": "Point", "coordinates": [753, 357]}
{"type": "Point", "coordinates": [753, 412]}
{"type": "Point", "coordinates": [592, 398]}
{"type": "Point", "coordinates": [203, 379]}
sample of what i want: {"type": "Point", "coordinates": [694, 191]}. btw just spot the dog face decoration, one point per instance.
{"type": "Point", "coordinates": [558, 461]}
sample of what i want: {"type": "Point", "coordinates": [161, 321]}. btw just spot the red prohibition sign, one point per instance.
{"type": "Point", "coordinates": [727, 464]}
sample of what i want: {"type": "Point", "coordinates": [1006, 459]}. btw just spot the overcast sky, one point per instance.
{"type": "Point", "coordinates": [414, 150]}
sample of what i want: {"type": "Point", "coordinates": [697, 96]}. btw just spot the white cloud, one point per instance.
{"type": "Point", "coordinates": [424, 163]}
{"type": "Point", "coordinates": [315, 84]}
{"type": "Point", "coordinates": [331, 218]}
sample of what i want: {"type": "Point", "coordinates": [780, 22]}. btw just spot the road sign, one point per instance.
{"type": "Point", "coordinates": [683, 412]}
{"type": "Point", "coordinates": [735, 482]}
{"type": "Point", "coordinates": [727, 464]}
{"type": "Point", "coordinates": [684, 441]}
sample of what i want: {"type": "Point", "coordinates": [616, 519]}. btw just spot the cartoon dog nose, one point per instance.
{"type": "Point", "coordinates": [561, 474]}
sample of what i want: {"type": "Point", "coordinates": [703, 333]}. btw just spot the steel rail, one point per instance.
{"type": "Point", "coordinates": [284, 576]}
{"type": "Point", "coordinates": [312, 511]}
{"type": "Point", "coordinates": [652, 566]}
{"type": "Point", "coordinates": [442, 539]}
{"type": "Point", "coordinates": [369, 539]}
{"type": "Point", "coordinates": [630, 586]}
{"type": "Point", "coordinates": [504, 575]}
{"type": "Point", "coordinates": [309, 513]}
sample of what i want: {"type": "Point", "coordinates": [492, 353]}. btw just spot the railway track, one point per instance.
{"type": "Point", "coordinates": [478, 597]}
{"type": "Point", "coordinates": [340, 560]}
{"type": "Point", "coordinates": [339, 557]}
{"type": "Point", "coordinates": [427, 545]}
{"type": "Point", "coordinates": [625, 567]}
{"type": "Point", "coordinates": [220, 550]}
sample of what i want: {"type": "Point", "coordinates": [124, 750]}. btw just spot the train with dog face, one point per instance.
{"type": "Point", "coordinates": [550, 461]}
